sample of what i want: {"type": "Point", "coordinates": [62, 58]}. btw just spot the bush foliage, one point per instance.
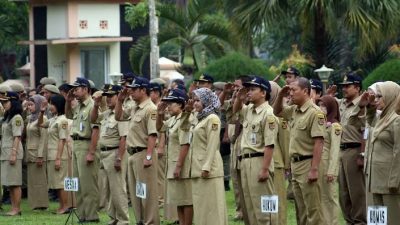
{"type": "Point", "coordinates": [389, 70]}
{"type": "Point", "coordinates": [233, 65]}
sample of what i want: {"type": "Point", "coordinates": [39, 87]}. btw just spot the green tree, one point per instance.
{"type": "Point", "coordinates": [199, 33]}
{"type": "Point", "coordinates": [234, 64]}
{"type": "Point", "coordinates": [385, 72]}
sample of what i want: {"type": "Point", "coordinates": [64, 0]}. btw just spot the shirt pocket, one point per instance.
{"type": "Point", "coordinates": [111, 128]}
{"type": "Point", "coordinates": [254, 135]}
{"type": "Point", "coordinates": [302, 126]}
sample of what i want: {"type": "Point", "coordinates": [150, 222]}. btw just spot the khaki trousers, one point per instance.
{"type": "Point", "coordinates": [37, 186]}
{"type": "Point", "coordinates": [253, 190]}
{"type": "Point", "coordinates": [392, 202]}
{"type": "Point", "coordinates": [170, 211]}
{"type": "Point", "coordinates": [87, 197]}
{"type": "Point", "coordinates": [146, 210]}
{"type": "Point", "coordinates": [103, 187]}
{"type": "Point", "coordinates": [352, 188]}
{"type": "Point", "coordinates": [329, 196]}
{"type": "Point", "coordinates": [307, 195]}
{"type": "Point", "coordinates": [280, 188]}
{"type": "Point", "coordinates": [209, 205]}
{"type": "Point", "coordinates": [117, 206]}
{"type": "Point", "coordinates": [235, 180]}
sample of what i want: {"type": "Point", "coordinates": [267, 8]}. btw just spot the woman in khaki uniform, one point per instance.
{"type": "Point", "coordinates": [57, 153]}
{"type": "Point", "coordinates": [179, 188]}
{"type": "Point", "coordinates": [12, 150]}
{"type": "Point", "coordinates": [36, 138]}
{"type": "Point", "coordinates": [206, 169]}
{"type": "Point", "coordinates": [384, 164]}
{"type": "Point", "coordinates": [330, 160]}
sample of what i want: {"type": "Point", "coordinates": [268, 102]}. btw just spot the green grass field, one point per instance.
{"type": "Point", "coordinates": [30, 217]}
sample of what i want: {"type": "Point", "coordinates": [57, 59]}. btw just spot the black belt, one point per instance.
{"type": "Point", "coordinates": [345, 146]}
{"type": "Point", "coordinates": [77, 138]}
{"type": "Point", "coordinates": [105, 149]}
{"type": "Point", "coordinates": [134, 150]}
{"type": "Point", "coordinates": [299, 158]}
{"type": "Point", "coordinates": [250, 155]}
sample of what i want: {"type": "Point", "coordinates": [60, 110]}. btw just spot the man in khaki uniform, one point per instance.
{"type": "Point", "coordinates": [85, 158]}
{"type": "Point", "coordinates": [112, 144]}
{"type": "Point", "coordinates": [351, 177]}
{"type": "Point", "coordinates": [260, 129]}
{"type": "Point", "coordinates": [307, 138]}
{"type": "Point", "coordinates": [141, 141]}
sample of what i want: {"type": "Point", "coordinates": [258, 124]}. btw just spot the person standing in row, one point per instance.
{"type": "Point", "coordinates": [12, 150]}
{"type": "Point", "coordinates": [112, 144]}
{"type": "Point", "coordinates": [179, 187]}
{"type": "Point", "coordinates": [351, 178]}
{"type": "Point", "coordinates": [330, 159]}
{"type": "Point", "coordinates": [35, 156]}
{"type": "Point", "coordinates": [141, 142]}
{"type": "Point", "coordinates": [85, 158]}
{"type": "Point", "coordinates": [384, 163]}
{"type": "Point", "coordinates": [306, 144]}
{"type": "Point", "coordinates": [206, 169]}
{"type": "Point", "coordinates": [260, 128]}
{"type": "Point", "coordinates": [57, 152]}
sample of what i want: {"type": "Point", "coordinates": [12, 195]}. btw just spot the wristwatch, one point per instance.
{"type": "Point", "coordinates": [148, 157]}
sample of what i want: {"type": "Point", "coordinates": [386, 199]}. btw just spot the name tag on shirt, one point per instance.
{"type": "Point", "coordinates": [253, 138]}
{"type": "Point", "coordinates": [269, 204]}
{"type": "Point", "coordinates": [377, 215]}
{"type": "Point", "coordinates": [141, 190]}
{"type": "Point", "coordinates": [71, 184]}
{"type": "Point", "coordinates": [366, 133]}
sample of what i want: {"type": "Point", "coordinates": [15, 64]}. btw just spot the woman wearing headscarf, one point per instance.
{"type": "Point", "coordinates": [57, 152]}
{"type": "Point", "coordinates": [384, 164]}
{"type": "Point", "coordinates": [206, 168]}
{"type": "Point", "coordinates": [11, 149]}
{"type": "Point", "coordinates": [35, 156]}
{"type": "Point", "coordinates": [330, 159]}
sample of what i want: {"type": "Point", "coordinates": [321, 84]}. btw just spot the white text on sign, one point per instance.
{"type": "Point", "coordinates": [377, 215]}
{"type": "Point", "coordinates": [269, 204]}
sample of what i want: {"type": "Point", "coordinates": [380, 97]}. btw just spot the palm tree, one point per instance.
{"type": "Point", "coordinates": [198, 32]}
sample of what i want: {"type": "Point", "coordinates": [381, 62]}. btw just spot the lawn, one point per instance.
{"type": "Point", "coordinates": [30, 217]}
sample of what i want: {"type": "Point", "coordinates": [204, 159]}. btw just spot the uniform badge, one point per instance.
{"type": "Point", "coordinates": [18, 123]}
{"type": "Point", "coordinates": [153, 116]}
{"type": "Point", "coordinates": [338, 129]}
{"type": "Point", "coordinates": [271, 122]}
{"type": "Point", "coordinates": [214, 126]}
{"type": "Point", "coordinates": [284, 124]}
{"type": "Point", "coordinates": [321, 118]}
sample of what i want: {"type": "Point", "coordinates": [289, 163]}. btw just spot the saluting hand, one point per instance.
{"type": "Point", "coordinates": [123, 95]}
{"type": "Point", "coordinates": [97, 100]}
{"type": "Point", "coordinates": [285, 91]}
{"type": "Point", "coordinates": [70, 95]}
{"type": "Point", "coordinates": [43, 106]}
{"type": "Point", "coordinates": [228, 88]}
{"type": "Point", "coordinates": [331, 90]}
{"type": "Point", "coordinates": [162, 106]}
{"type": "Point", "coordinates": [189, 106]}
{"type": "Point", "coordinates": [242, 94]}
{"type": "Point", "coordinates": [263, 175]}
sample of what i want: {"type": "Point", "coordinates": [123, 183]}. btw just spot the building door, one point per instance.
{"type": "Point", "coordinates": [94, 65]}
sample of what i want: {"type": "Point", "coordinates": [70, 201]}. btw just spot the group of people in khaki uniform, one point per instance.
{"type": "Point", "coordinates": [138, 139]}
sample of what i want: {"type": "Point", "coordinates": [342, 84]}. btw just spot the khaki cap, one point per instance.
{"type": "Point", "coordinates": [17, 87]}
{"type": "Point", "coordinates": [51, 88]}
{"type": "Point", "coordinates": [48, 80]}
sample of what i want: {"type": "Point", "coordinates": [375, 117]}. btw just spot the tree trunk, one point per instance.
{"type": "Point", "coordinates": [320, 37]}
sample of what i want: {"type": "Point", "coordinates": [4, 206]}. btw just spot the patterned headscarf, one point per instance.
{"type": "Point", "coordinates": [209, 100]}
{"type": "Point", "coordinates": [37, 99]}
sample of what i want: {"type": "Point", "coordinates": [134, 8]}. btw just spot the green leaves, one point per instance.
{"type": "Point", "coordinates": [137, 15]}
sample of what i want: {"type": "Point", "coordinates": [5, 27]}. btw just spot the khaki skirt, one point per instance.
{"type": "Point", "coordinates": [179, 192]}
{"type": "Point", "coordinates": [11, 175]}
{"type": "Point", "coordinates": [55, 178]}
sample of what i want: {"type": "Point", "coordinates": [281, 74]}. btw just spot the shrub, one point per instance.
{"type": "Point", "coordinates": [389, 70]}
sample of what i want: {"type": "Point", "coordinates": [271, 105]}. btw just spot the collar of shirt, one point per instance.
{"type": "Point", "coordinates": [144, 103]}
{"type": "Point", "coordinates": [354, 102]}
{"type": "Point", "coordinates": [305, 106]}
{"type": "Point", "coordinates": [259, 108]}
{"type": "Point", "coordinates": [86, 102]}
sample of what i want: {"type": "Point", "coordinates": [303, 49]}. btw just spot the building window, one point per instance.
{"type": "Point", "coordinates": [104, 24]}
{"type": "Point", "coordinates": [94, 65]}
{"type": "Point", "coordinates": [83, 24]}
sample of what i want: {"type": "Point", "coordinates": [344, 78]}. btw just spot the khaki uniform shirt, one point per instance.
{"type": "Point", "coordinates": [81, 124]}
{"type": "Point", "coordinates": [332, 148]}
{"type": "Point", "coordinates": [11, 129]}
{"type": "Point", "coordinates": [142, 123]}
{"type": "Point", "coordinates": [177, 130]}
{"type": "Point", "coordinates": [307, 122]}
{"type": "Point", "coordinates": [57, 130]}
{"type": "Point", "coordinates": [204, 148]}
{"type": "Point", "coordinates": [35, 140]}
{"type": "Point", "coordinates": [353, 124]}
{"type": "Point", "coordinates": [260, 129]}
{"type": "Point", "coordinates": [111, 130]}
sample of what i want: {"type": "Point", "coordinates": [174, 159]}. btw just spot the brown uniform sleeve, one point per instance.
{"type": "Point", "coordinates": [270, 131]}
{"type": "Point", "coordinates": [318, 121]}
{"type": "Point", "coordinates": [151, 116]}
